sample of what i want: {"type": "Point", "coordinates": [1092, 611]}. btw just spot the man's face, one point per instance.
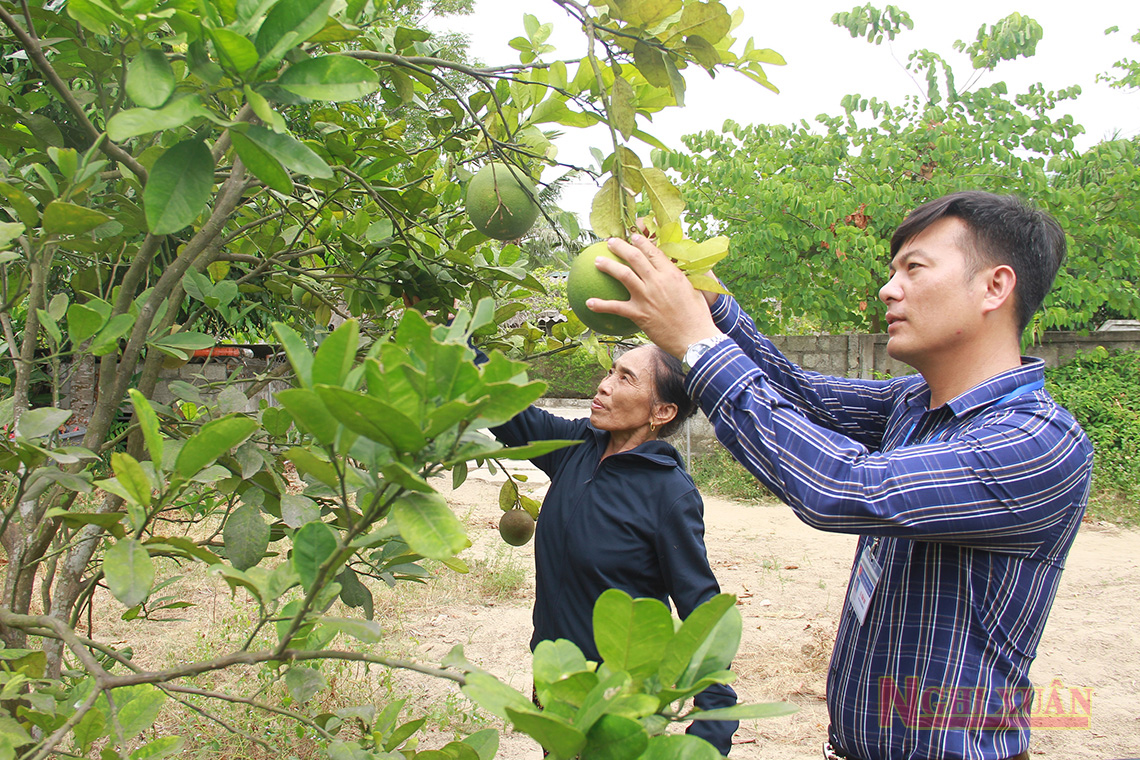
{"type": "Point", "coordinates": [625, 396]}
{"type": "Point", "coordinates": [934, 301]}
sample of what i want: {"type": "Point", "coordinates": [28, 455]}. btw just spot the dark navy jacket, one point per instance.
{"type": "Point", "coordinates": [633, 521]}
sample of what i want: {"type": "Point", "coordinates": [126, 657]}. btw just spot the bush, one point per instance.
{"type": "Point", "coordinates": [716, 472]}
{"type": "Point", "coordinates": [570, 374]}
{"type": "Point", "coordinates": [1101, 390]}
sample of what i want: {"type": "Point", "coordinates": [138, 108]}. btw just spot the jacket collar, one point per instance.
{"type": "Point", "coordinates": [657, 452]}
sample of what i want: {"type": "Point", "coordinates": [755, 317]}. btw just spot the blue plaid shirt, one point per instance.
{"type": "Point", "coordinates": [970, 510]}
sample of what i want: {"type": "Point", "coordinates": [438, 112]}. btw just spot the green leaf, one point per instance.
{"type": "Point", "coordinates": [9, 231]}
{"type": "Point", "coordinates": [336, 355]}
{"type": "Point", "coordinates": [372, 418]}
{"type": "Point", "coordinates": [354, 593]}
{"type": "Point", "coordinates": [663, 195]}
{"type": "Point", "coordinates": [598, 701]}
{"type": "Point", "coordinates": [310, 414]}
{"type": "Point", "coordinates": [235, 52]}
{"type": "Point", "coordinates": [313, 544]}
{"type": "Point", "coordinates": [291, 152]}
{"type": "Point", "coordinates": [645, 12]}
{"type": "Point", "coordinates": [428, 525]}
{"type": "Point", "coordinates": [609, 210]}
{"type": "Point", "coordinates": [711, 642]}
{"type": "Point", "coordinates": [299, 355]}
{"type": "Point", "coordinates": [264, 110]}
{"type": "Point", "coordinates": [614, 737]}
{"type": "Point", "coordinates": [304, 682]}
{"type": "Point", "coordinates": [141, 121]}
{"type": "Point", "coordinates": [107, 340]}
{"type": "Point", "coordinates": [91, 727]}
{"type": "Point", "coordinates": [361, 630]}
{"type": "Point", "coordinates": [329, 78]}
{"type": "Point", "coordinates": [214, 439]}
{"type": "Point", "coordinates": [245, 536]}
{"type": "Point", "coordinates": [41, 422]}
{"type": "Point", "coordinates": [129, 572]}
{"type": "Point", "coordinates": [180, 184]}
{"type": "Point", "coordinates": [296, 510]}
{"type": "Point", "coordinates": [48, 325]}
{"type": "Point", "coordinates": [533, 450]}
{"type": "Point", "coordinates": [747, 712]}
{"type": "Point", "coordinates": [554, 660]}
{"type": "Point", "coordinates": [679, 747]}
{"type": "Point", "coordinates": [692, 634]}
{"type": "Point", "coordinates": [164, 746]}
{"type": "Point", "coordinates": [556, 736]}
{"type": "Point", "coordinates": [132, 477]}
{"type": "Point", "coordinates": [310, 465]}
{"type": "Point", "coordinates": [96, 16]}
{"type": "Point", "coordinates": [148, 423]}
{"type": "Point", "coordinates": [631, 633]}
{"type": "Point", "coordinates": [263, 165]}
{"type": "Point", "coordinates": [622, 110]}
{"type": "Point", "coordinates": [150, 78]}
{"type": "Point", "coordinates": [485, 743]}
{"type": "Point", "coordinates": [137, 707]}
{"type": "Point", "coordinates": [183, 343]}
{"type": "Point", "coordinates": [300, 18]}
{"type": "Point", "coordinates": [63, 218]}
{"type": "Point", "coordinates": [494, 696]}
{"type": "Point", "coordinates": [82, 322]}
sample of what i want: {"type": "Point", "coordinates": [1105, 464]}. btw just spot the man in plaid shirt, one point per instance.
{"type": "Point", "coordinates": [965, 482]}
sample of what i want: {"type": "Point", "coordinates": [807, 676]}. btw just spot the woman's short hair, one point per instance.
{"type": "Point", "coordinates": [669, 388]}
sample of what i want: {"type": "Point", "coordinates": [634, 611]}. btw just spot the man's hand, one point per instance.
{"type": "Point", "coordinates": [661, 301]}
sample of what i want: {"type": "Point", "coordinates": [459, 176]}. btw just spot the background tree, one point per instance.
{"type": "Point", "coordinates": [810, 208]}
{"type": "Point", "coordinates": [171, 167]}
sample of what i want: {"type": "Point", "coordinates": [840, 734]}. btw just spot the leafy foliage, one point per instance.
{"type": "Point", "coordinates": [811, 208]}
{"type": "Point", "coordinates": [1100, 389]}
{"type": "Point", "coordinates": [177, 173]}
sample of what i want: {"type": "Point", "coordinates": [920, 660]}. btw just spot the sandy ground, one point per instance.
{"type": "Point", "coordinates": [790, 582]}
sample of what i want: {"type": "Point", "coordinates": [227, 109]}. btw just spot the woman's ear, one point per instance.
{"type": "Point", "coordinates": [662, 414]}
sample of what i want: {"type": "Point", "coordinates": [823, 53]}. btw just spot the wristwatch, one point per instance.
{"type": "Point", "coordinates": [697, 350]}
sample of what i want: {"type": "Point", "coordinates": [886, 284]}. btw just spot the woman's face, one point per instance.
{"type": "Point", "coordinates": [625, 397]}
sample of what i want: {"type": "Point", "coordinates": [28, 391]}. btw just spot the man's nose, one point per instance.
{"type": "Point", "coordinates": [890, 291]}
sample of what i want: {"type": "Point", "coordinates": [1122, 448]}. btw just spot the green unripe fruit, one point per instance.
{"type": "Point", "coordinates": [500, 202]}
{"type": "Point", "coordinates": [587, 281]}
{"type": "Point", "coordinates": [516, 526]}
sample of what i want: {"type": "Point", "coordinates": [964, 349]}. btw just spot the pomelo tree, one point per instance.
{"type": "Point", "coordinates": [179, 171]}
{"type": "Point", "coordinates": [811, 207]}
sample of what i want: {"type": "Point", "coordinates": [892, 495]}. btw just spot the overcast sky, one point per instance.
{"type": "Point", "coordinates": [824, 63]}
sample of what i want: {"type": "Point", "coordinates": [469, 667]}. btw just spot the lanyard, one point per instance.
{"type": "Point", "coordinates": [1029, 387]}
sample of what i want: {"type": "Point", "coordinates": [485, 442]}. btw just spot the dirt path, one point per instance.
{"type": "Point", "coordinates": [790, 581]}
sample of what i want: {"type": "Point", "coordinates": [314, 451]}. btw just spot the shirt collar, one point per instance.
{"type": "Point", "coordinates": [986, 392]}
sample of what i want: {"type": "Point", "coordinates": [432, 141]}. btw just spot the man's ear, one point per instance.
{"type": "Point", "coordinates": [1000, 283]}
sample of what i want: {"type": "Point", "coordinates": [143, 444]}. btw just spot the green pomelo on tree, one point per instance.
{"type": "Point", "coordinates": [587, 281]}
{"type": "Point", "coordinates": [500, 202]}
{"type": "Point", "coordinates": [516, 526]}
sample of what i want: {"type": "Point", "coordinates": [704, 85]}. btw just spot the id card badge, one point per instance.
{"type": "Point", "coordinates": [867, 575]}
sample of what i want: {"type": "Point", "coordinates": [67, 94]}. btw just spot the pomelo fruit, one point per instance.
{"type": "Point", "coordinates": [516, 526]}
{"type": "Point", "coordinates": [500, 202]}
{"type": "Point", "coordinates": [587, 281]}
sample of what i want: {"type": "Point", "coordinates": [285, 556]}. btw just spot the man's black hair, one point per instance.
{"type": "Point", "coordinates": [1002, 229]}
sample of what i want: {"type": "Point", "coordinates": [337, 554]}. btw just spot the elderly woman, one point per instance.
{"type": "Point", "coordinates": [621, 511]}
